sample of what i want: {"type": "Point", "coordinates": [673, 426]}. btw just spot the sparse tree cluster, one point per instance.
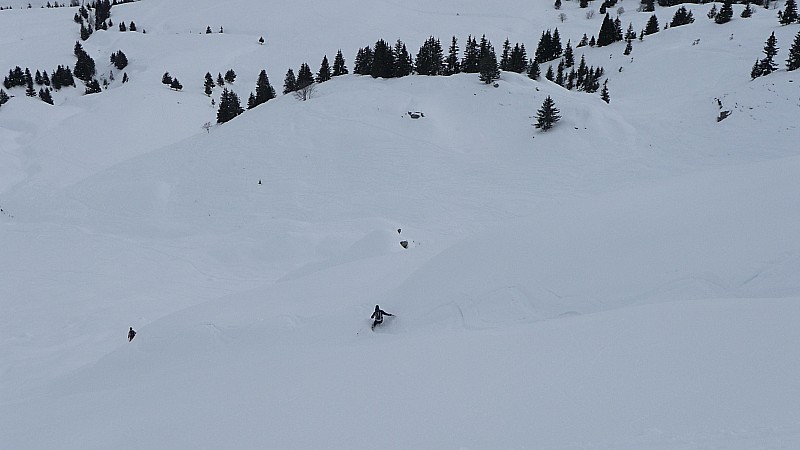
{"type": "Point", "coordinates": [766, 65]}
{"type": "Point", "coordinates": [681, 17]}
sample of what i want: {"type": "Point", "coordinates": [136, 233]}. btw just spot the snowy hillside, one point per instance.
{"type": "Point", "coordinates": [629, 279]}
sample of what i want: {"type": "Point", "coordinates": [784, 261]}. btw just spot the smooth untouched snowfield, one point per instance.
{"type": "Point", "coordinates": [628, 280]}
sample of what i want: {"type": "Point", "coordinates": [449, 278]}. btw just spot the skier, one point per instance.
{"type": "Point", "coordinates": [131, 334]}
{"type": "Point", "coordinates": [378, 316]}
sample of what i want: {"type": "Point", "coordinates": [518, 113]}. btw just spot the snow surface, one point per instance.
{"type": "Point", "coordinates": [628, 280]}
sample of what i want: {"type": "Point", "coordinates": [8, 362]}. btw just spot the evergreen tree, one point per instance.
{"type": "Point", "coordinates": [132, 26]}
{"type": "Point", "coordinates": [471, 61]}
{"type": "Point", "coordinates": [534, 72]}
{"type": "Point", "coordinates": [584, 41]}
{"type": "Point", "coordinates": [45, 78]}
{"type": "Point", "coordinates": [489, 71]}
{"type": "Point", "coordinates": [339, 68]}
{"type": "Point", "coordinates": [560, 73]}
{"type": "Point", "coordinates": [324, 74]}
{"type": "Point", "coordinates": [3, 97]}
{"type": "Point", "coordinates": [44, 95]}
{"type": "Point", "coordinates": [289, 82]}
{"type": "Point", "coordinates": [208, 29]}
{"type": "Point", "coordinates": [793, 62]}
{"type": "Point", "coordinates": [756, 71]}
{"type": "Point", "coordinates": [264, 91]}
{"type": "Point", "coordinates": [770, 50]}
{"type": "Point", "coordinates": [29, 90]}
{"type": "Point", "coordinates": [85, 66]}
{"type": "Point", "coordinates": [251, 101]}
{"type": "Point", "coordinates": [648, 6]}
{"type": "Point", "coordinates": [681, 17]}
{"type": "Point", "coordinates": [208, 84]}
{"type": "Point", "coordinates": [304, 77]}
{"type": "Point", "coordinates": [220, 80]}
{"type": "Point", "coordinates": [569, 56]}
{"type": "Point", "coordinates": [86, 32]}
{"type": "Point", "coordinates": [726, 12]}
{"type": "Point", "coordinates": [122, 27]}
{"type": "Point", "coordinates": [608, 32]}
{"type": "Point", "coordinates": [230, 76]}
{"type": "Point", "coordinates": [176, 85]}
{"type": "Point", "coordinates": [652, 26]}
{"type": "Point", "coordinates": [229, 106]}
{"type": "Point", "coordinates": [789, 13]}
{"type": "Point", "coordinates": [549, 74]}
{"type": "Point", "coordinates": [518, 62]}
{"type": "Point", "coordinates": [403, 63]}
{"type": "Point", "coordinates": [120, 60]}
{"type": "Point", "coordinates": [712, 13]}
{"type": "Point", "coordinates": [547, 115]}
{"type": "Point", "coordinates": [628, 47]}
{"type": "Point", "coordinates": [556, 49]}
{"type": "Point", "coordinates": [363, 62]}
{"type": "Point", "coordinates": [544, 50]}
{"type": "Point", "coordinates": [630, 34]}
{"type": "Point", "coordinates": [430, 58]}
{"type": "Point", "coordinates": [382, 60]}
{"type": "Point", "coordinates": [261, 40]}
{"type": "Point", "coordinates": [166, 79]}
{"type": "Point", "coordinates": [505, 56]}
{"type": "Point", "coordinates": [452, 65]}
{"type": "Point", "coordinates": [93, 87]}
{"type": "Point", "coordinates": [747, 12]}
{"type": "Point", "coordinates": [617, 30]}
{"type": "Point", "coordinates": [604, 93]}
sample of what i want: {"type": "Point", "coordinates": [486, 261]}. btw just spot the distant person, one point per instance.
{"type": "Point", "coordinates": [378, 316]}
{"type": "Point", "coordinates": [131, 334]}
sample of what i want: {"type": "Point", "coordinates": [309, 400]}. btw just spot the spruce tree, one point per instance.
{"type": "Point", "coordinates": [132, 26]}
{"type": "Point", "coordinates": [549, 75]}
{"type": "Point", "coordinates": [122, 27]}
{"type": "Point", "coordinates": [29, 90]}
{"type": "Point", "coordinates": [403, 63]}
{"type": "Point", "coordinates": [92, 87]}
{"type": "Point", "coordinates": [3, 97]}
{"type": "Point", "coordinates": [324, 74]}
{"type": "Point", "coordinates": [363, 61]}
{"type": "Point", "coordinates": [176, 85]}
{"type": "Point", "coordinates": [166, 79]}
{"type": "Point", "coordinates": [339, 67]}
{"type": "Point", "coordinates": [518, 62]}
{"type": "Point", "coordinates": [430, 58]}
{"type": "Point", "coordinates": [251, 101]}
{"type": "Point", "coordinates": [604, 93]}
{"type": "Point", "coordinates": [726, 12]}
{"type": "Point", "coordinates": [229, 106]}
{"type": "Point", "coordinates": [220, 80]}
{"type": "Point", "coordinates": [471, 61]}
{"type": "Point", "coordinates": [289, 82]}
{"type": "Point", "coordinates": [505, 56]}
{"type": "Point", "coordinates": [304, 77]}
{"type": "Point", "coordinates": [608, 32]}
{"type": "Point", "coordinates": [547, 115]}
{"type": "Point", "coordinates": [382, 60]}
{"type": "Point", "coordinates": [44, 95]}
{"type": "Point", "coordinates": [489, 71]}
{"type": "Point", "coordinates": [452, 65]}
{"type": "Point", "coordinates": [747, 12]}
{"type": "Point", "coordinates": [793, 62]}
{"type": "Point", "coordinates": [652, 26]}
{"type": "Point", "coordinates": [264, 91]}
{"type": "Point", "coordinates": [789, 13]}
{"type": "Point", "coordinates": [120, 60]}
{"type": "Point", "coordinates": [681, 17]}
{"type": "Point", "coordinates": [770, 50]}
{"type": "Point", "coordinates": [230, 76]}
{"type": "Point", "coordinates": [534, 72]}
{"type": "Point", "coordinates": [560, 73]}
{"type": "Point", "coordinates": [208, 84]}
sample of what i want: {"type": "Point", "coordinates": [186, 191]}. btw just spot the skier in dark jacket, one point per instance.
{"type": "Point", "coordinates": [378, 316]}
{"type": "Point", "coordinates": [131, 334]}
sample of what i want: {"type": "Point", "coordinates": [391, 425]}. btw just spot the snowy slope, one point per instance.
{"type": "Point", "coordinates": [626, 280]}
